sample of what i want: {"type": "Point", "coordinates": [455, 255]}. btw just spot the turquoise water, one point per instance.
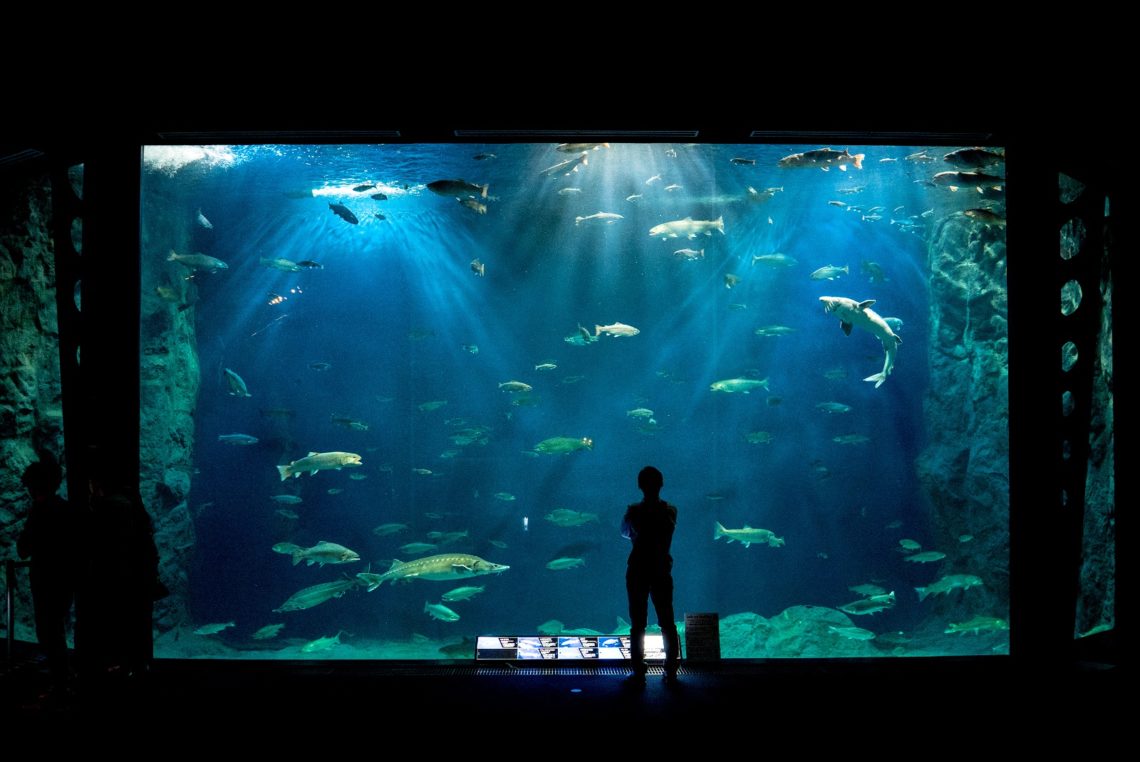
{"type": "Point", "coordinates": [387, 328]}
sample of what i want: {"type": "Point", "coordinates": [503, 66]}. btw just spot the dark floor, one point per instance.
{"type": "Point", "coordinates": [827, 705]}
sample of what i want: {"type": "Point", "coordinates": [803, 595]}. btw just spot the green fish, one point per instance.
{"type": "Point", "coordinates": [440, 568]}
{"type": "Point", "coordinates": [563, 445]}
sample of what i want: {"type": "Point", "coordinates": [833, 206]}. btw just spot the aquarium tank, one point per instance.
{"type": "Point", "coordinates": [396, 397]}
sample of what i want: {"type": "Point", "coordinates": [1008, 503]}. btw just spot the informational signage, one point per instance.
{"type": "Point", "coordinates": [702, 637]}
{"type": "Point", "coordinates": [563, 648]}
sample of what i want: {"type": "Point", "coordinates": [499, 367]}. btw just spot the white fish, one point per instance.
{"type": "Point", "coordinates": [852, 313]}
{"type": "Point", "coordinates": [203, 221]}
{"type": "Point", "coordinates": [687, 227]}
{"type": "Point", "coordinates": [608, 218]}
{"type": "Point", "coordinates": [654, 179]}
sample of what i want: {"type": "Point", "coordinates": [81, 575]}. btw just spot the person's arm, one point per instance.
{"type": "Point", "coordinates": [627, 525]}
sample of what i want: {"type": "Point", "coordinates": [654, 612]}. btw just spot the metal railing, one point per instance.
{"type": "Point", "coordinates": [10, 567]}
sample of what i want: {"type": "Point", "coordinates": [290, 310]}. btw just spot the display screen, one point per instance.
{"type": "Point", "coordinates": [599, 648]}
{"type": "Point", "coordinates": [394, 396]}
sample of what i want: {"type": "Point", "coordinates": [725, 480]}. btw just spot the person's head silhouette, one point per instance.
{"type": "Point", "coordinates": [650, 481]}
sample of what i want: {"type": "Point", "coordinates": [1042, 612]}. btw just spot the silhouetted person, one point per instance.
{"type": "Point", "coordinates": [649, 524]}
{"type": "Point", "coordinates": [51, 539]}
{"type": "Point", "coordinates": [115, 636]}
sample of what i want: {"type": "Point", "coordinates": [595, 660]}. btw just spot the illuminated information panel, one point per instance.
{"type": "Point", "coordinates": [564, 648]}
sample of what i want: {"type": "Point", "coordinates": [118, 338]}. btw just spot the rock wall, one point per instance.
{"type": "Point", "coordinates": [1096, 604]}
{"type": "Point", "coordinates": [31, 412]}
{"type": "Point", "coordinates": [965, 465]}
{"type": "Point", "coordinates": [168, 395]}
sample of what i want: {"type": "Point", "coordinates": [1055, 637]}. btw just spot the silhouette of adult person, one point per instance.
{"type": "Point", "coordinates": [51, 539]}
{"type": "Point", "coordinates": [115, 635]}
{"type": "Point", "coordinates": [649, 525]}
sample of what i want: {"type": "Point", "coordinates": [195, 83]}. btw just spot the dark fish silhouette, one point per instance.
{"type": "Point", "coordinates": [380, 196]}
{"type": "Point", "coordinates": [340, 210]}
{"type": "Point", "coordinates": [309, 264]}
{"type": "Point", "coordinates": [364, 187]}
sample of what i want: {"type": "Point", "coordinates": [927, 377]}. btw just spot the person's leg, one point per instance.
{"type": "Point", "coordinates": [662, 592]}
{"type": "Point", "coordinates": [637, 589]}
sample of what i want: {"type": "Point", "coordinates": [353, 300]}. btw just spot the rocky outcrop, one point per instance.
{"type": "Point", "coordinates": [31, 407]}
{"type": "Point", "coordinates": [1096, 602]}
{"type": "Point", "coordinates": [168, 396]}
{"type": "Point", "coordinates": [965, 465]}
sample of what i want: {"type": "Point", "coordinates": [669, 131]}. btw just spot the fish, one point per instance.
{"type": "Point", "coordinates": [562, 564]}
{"type": "Point", "coordinates": [745, 385]}
{"type": "Point", "coordinates": [833, 407]}
{"type": "Point", "coordinates": [830, 272]}
{"type": "Point", "coordinates": [689, 254]}
{"type": "Point", "coordinates": [203, 221]}
{"type": "Point", "coordinates": [364, 187]}
{"type": "Point", "coordinates": [926, 557]}
{"type": "Point", "coordinates": [687, 227]}
{"type": "Point", "coordinates": [308, 264]}
{"type": "Point", "coordinates": [850, 439]}
{"type": "Point", "coordinates": [965, 538]}
{"type": "Point", "coordinates": [609, 218]}
{"type": "Point", "coordinates": [464, 649]}
{"type": "Point", "coordinates": [236, 383]}
{"type": "Point", "coordinates": [748, 535]}
{"type": "Point", "coordinates": [578, 147]}
{"type": "Point", "coordinates": [852, 313]}
{"type": "Point", "coordinates": [197, 261]}
{"type": "Point", "coordinates": [385, 530]}
{"type": "Point", "coordinates": [873, 271]}
{"type": "Point", "coordinates": [506, 497]}
{"type": "Point", "coordinates": [773, 400]}
{"type": "Point", "coordinates": [948, 583]}
{"type": "Point", "coordinates": [439, 568]}
{"type": "Point", "coordinates": [955, 180]}
{"type": "Point", "coordinates": [569, 191]}
{"type": "Point", "coordinates": [822, 158]}
{"type": "Point", "coordinates": [567, 380]}
{"type": "Point", "coordinates": [973, 158]}
{"type": "Point", "coordinates": [422, 471]}
{"type": "Point", "coordinates": [379, 197]}
{"type": "Point", "coordinates": [440, 612]}
{"type": "Point", "coordinates": [977, 625]}
{"type": "Point", "coordinates": [851, 633]}
{"type": "Point", "coordinates": [761, 196]}
{"type": "Point", "coordinates": [286, 499]}
{"type": "Point", "coordinates": [774, 330]}
{"type": "Point", "coordinates": [563, 445]}
{"type": "Point", "coordinates": [458, 189]}
{"type": "Point", "coordinates": [615, 329]}
{"type": "Point", "coordinates": [267, 632]}
{"type": "Point", "coordinates": [465, 593]}
{"type": "Point", "coordinates": [334, 490]}
{"type": "Point", "coordinates": [550, 628]}
{"type": "Point", "coordinates": [640, 412]}
{"type": "Point", "coordinates": [566, 167]}
{"type": "Point", "coordinates": [315, 595]}
{"type": "Point", "coordinates": [238, 439]}
{"type": "Point", "coordinates": [743, 162]}
{"type": "Point", "coordinates": [565, 517]}
{"type": "Point", "coordinates": [350, 423]}
{"type": "Point", "coordinates": [896, 524]}
{"type": "Point", "coordinates": [673, 187]}
{"type": "Point", "coordinates": [633, 197]}
{"type": "Point", "coordinates": [851, 190]}
{"type": "Point", "coordinates": [471, 349]}
{"type": "Point", "coordinates": [872, 217]}
{"type": "Point", "coordinates": [478, 268]}
{"type": "Point", "coordinates": [284, 265]}
{"type": "Point", "coordinates": [546, 366]}
{"type": "Point", "coordinates": [908, 544]}
{"type": "Point", "coordinates": [835, 374]}
{"type": "Point", "coordinates": [654, 179]}
{"type": "Point", "coordinates": [319, 461]}
{"type": "Point", "coordinates": [498, 544]}
{"type": "Point", "coordinates": [840, 204]}
{"type": "Point", "coordinates": [887, 160]}
{"type": "Point", "coordinates": [737, 306]}
{"type": "Point", "coordinates": [379, 216]}
{"type": "Point", "coordinates": [484, 156]}
{"type": "Point", "coordinates": [870, 605]}
{"type": "Point", "coordinates": [773, 260]}
{"type": "Point", "coordinates": [322, 553]}
{"type": "Point", "coordinates": [988, 217]}
{"type": "Point", "coordinates": [415, 548]}
{"type": "Point", "coordinates": [358, 477]}
{"type": "Point", "coordinates": [920, 156]}
{"type": "Point", "coordinates": [320, 367]}
{"type": "Point", "coordinates": [342, 211]}
{"type": "Point", "coordinates": [322, 644]}
{"type": "Point", "coordinates": [758, 437]}
{"type": "Point", "coordinates": [285, 513]}
{"type": "Point", "coordinates": [278, 412]}
{"type": "Point", "coordinates": [867, 590]}
{"type": "Point", "coordinates": [213, 629]}
{"type": "Point", "coordinates": [731, 280]}
{"type": "Point", "coordinates": [427, 407]}
{"type": "Point", "coordinates": [515, 386]}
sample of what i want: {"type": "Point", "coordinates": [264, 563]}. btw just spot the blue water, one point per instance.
{"type": "Point", "coordinates": [397, 300]}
